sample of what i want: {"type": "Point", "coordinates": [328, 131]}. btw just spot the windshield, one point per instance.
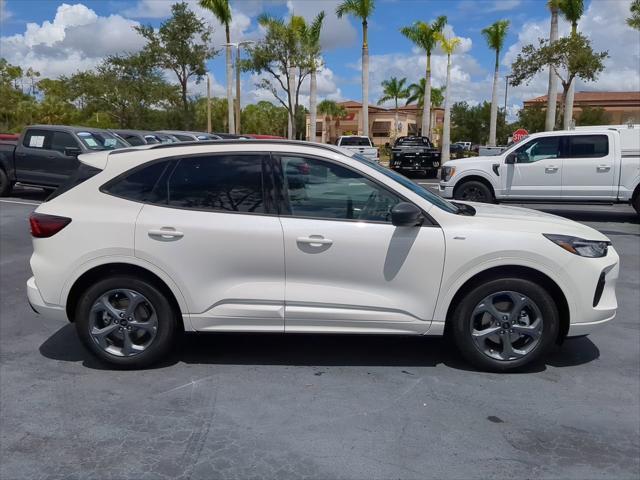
{"type": "Point", "coordinates": [413, 142]}
{"type": "Point", "coordinates": [405, 182]}
{"type": "Point", "coordinates": [355, 142]}
{"type": "Point", "coordinates": [100, 140]}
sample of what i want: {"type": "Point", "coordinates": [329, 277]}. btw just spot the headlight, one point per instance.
{"type": "Point", "coordinates": [579, 246]}
{"type": "Point", "coordinates": [447, 173]}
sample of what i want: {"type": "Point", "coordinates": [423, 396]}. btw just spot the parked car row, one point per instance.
{"type": "Point", "coordinates": [46, 155]}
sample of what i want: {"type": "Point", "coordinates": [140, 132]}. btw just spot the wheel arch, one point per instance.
{"type": "Point", "coordinates": [520, 271]}
{"type": "Point", "coordinates": [94, 273]}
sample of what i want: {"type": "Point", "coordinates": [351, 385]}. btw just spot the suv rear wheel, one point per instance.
{"type": "Point", "coordinates": [505, 324]}
{"type": "Point", "coordinates": [5, 184]}
{"type": "Point", "coordinates": [126, 321]}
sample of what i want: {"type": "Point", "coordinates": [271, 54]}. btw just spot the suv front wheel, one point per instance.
{"type": "Point", "coordinates": [504, 324]}
{"type": "Point", "coordinates": [126, 321]}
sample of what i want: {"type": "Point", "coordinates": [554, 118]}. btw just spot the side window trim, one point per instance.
{"type": "Point", "coordinates": [284, 201]}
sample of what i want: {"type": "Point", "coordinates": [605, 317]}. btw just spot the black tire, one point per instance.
{"type": "Point", "coordinates": [167, 321]}
{"type": "Point", "coordinates": [462, 324]}
{"type": "Point", "coordinates": [5, 184]}
{"type": "Point", "coordinates": [474, 191]}
{"type": "Point", "coordinates": [636, 203]}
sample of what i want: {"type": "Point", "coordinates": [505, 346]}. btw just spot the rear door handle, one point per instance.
{"type": "Point", "coordinates": [551, 169]}
{"type": "Point", "coordinates": [314, 240]}
{"type": "Point", "coordinates": [166, 232]}
{"type": "Point", "coordinates": [603, 168]}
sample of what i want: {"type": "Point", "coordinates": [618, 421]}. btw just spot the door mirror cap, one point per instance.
{"type": "Point", "coordinates": [511, 158]}
{"type": "Point", "coordinates": [406, 214]}
{"type": "Point", "coordinates": [72, 151]}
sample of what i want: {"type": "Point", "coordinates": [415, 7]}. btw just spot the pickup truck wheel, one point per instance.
{"type": "Point", "coordinates": [505, 323]}
{"type": "Point", "coordinates": [636, 203]}
{"type": "Point", "coordinates": [5, 184]}
{"type": "Point", "coordinates": [474, 191]}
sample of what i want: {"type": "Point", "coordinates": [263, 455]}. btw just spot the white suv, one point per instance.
{"type": "Point", "coordinates": [292, 237]}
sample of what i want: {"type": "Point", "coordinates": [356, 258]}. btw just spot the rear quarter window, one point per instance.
{"type": "Point", "coordinates": [141, 184]}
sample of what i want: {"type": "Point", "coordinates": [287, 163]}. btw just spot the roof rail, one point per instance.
{"type": "Point", "coordinates": [265, 141]}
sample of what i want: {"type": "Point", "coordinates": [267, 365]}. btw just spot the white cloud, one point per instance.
{"type": "Point", "coordinates": [5, 13]}
{"type": "Point", "coordinates": [504, 5]}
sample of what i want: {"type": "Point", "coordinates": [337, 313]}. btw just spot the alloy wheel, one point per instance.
{"type": "Point", "coordinates": [123, 322]}
{"type": "Point", "coordinates": [506, 325]}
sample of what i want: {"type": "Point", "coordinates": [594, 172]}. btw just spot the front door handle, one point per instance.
{"type": "Point", "coordinates": [314, 240]}
{"type": "Point", "coordinates": [551, 169]}
{"type": "Point", "coordinates": [166, 232]}
{"type": "Point", "coordinates": [603, 168]}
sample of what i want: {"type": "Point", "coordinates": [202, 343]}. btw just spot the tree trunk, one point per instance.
{"type": "Point", "coordinates": [395, 127]}
{"type": "Point", "coordinates": [291, 124]}
{"type": "Point", "coordinates": [365, 81]}
{"type": "Point", "coordinates": [568, 101]}
{"type": "Point", "coordinates": [185, 105]}
{"type": "Point", "coordinates": [230, 117]}
{"type": "Point", "coordinates": [552, 91]}
{"type": "Point", "coordinates": [494, 104]}
{"type": "Point", "coordinates": [446, 134]}
{"type": "Point", "coordinates": [426, 102]}
{"type": "Point", "coordinates": [312, 106]}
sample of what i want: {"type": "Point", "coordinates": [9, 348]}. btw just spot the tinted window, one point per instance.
{"type": "Point", "coordinates": [183, 138]}
{"type": "Point", "coordinates": [62, 140]}
{"type": "Point", "coordinates": [134, 140]}
{"type": "Point", "coordinates": [231, 183]}
{"type": "Point", "coordinates": [539, 149]}
{"type": "Point", "coordinates": [140, 185]}
{"type": "Point", "coordinates": [37, 138]}
{"type": "Point", "coordinates": [588, 146]}
{"type": "Point", "coordinates": [355, 142]}
{"type": "Point", "coordinates": [100, 140]}
{"type": "Point", "coordinates": [320, 189]}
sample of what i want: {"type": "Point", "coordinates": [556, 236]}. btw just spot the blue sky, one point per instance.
{"type": "Point", "coordinates": [58, 37]}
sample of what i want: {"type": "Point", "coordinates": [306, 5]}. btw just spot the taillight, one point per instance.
{"type": "Point", "coordinates": [44, 226]}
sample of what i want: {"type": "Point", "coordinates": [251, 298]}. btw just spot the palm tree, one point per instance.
{"type": "Point", "coordinates": [449, 46]}
{"type": "Point", "coordinates": [312, 39]}
{"type": "Point", "coordinates": [571, 10]}
{"type": "Point", "coordinates": [329, 108]}
{"type": "Point", "coordinates": [416, 95]}
{"type": "Point", "coordinates": [552, 92]}
{"type": "Point", "coordinates": [361, 9]}
{"type": "Point", "coordinates": [495, 35]}
{"type": "Point", "coordinates": [424, 36]}
{"type": "Point", "coordinates": [222, 11]}
{"type": "Point", "coordinates": [394, 89]}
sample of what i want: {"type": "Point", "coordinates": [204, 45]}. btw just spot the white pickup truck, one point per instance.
{"type": "Point", "coordinates": [359, 144]}
{"type": "Point", "coordinates": [589, 165]}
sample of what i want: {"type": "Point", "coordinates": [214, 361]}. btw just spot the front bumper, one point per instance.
{"type": "Point", "coordinates": [446, 191]}
{"type": "Point", "coordinates": [54, 312]}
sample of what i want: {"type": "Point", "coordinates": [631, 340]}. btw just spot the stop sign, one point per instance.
{"type": "Point", "coordinates": [519, 135]}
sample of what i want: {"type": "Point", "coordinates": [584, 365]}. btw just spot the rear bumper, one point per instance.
{"type": "Point", "coordinates": [54, 312]}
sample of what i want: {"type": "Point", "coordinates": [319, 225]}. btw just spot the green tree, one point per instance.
{"type": "Point", "coordinates": [449, 46]}
{"type": "Point", "coordinates": [265, 118]}
{"type": "Point", "coordinates": [593, 116]}
{"type": "Point", "coordinates": [222, 11]}
{"type": "Point", "coordinates": [182, 45]}
{"type": "Point", "coordinates": [634, 20]}
{"type": "Point", "coordinates": [471, 123]}
{"type": "Point", "coordinates": [572, 55]}
{"type": "Point", "coordinates": [394, 89]}
{"type": "Point", "coordinates": [532, 119]}
{"type": "Point", "coordinates": [16, 108]}
{"type": "Point", "coordinates": [495, 35]}
{"type": "Point", "coordinates": [280, 54]}
{"type": "Point", "coordinates": [571, 10]}
{"type": "Point", "coordinates": [425, 36]}
{"type": "Point", "coordinates": [329, 108]}
{"type": "Point", "coordinates": [361, 9]}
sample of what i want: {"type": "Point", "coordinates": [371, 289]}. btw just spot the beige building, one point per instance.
{"type": "Point", "coordinates": [381, 123]}
{"type": "Point", "coordinates": [621, 107]}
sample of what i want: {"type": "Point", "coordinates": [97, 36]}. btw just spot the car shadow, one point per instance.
{"type": "Point", "coordinates": [607, 216]}
{"type": "Point", "coordinates": [313, 350]}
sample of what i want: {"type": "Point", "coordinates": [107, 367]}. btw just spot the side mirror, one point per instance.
{"type": "Point", "coordinates": [72, 151]}
{"type": "Point", "coordinates": [511, 158]}
{"type": "Point", "coordinates": [406, 214]}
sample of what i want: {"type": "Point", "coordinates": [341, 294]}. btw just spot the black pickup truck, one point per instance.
{"type": "Point", "coordinates": [47, 155]}
{"type": "Point", "coordinates": [415, 155]}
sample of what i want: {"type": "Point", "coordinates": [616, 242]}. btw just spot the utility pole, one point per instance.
{"type": "Point", "coordinates": [506, 88]}
{"type": "Point", "coordinates": [208, 103]}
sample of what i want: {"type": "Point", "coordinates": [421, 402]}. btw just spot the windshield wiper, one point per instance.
{"type": "Point", "coordinates": [464, 209]}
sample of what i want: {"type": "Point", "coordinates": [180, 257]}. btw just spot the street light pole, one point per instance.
{"type": "Point", "coordinates": [506, 88]}
{"type": "Point", "coordinates": [208, 103]}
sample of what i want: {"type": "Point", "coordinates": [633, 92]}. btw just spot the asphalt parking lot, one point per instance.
{"type": "Point", "coordinates": [321, 407]}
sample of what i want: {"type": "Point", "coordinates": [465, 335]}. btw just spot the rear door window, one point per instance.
{"type": "Point", "coordinates": [587, 146]}
{"type": "Point", "coordinates": [225, 183]}
{"type": "Point", "coordinates": [35, 138]}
